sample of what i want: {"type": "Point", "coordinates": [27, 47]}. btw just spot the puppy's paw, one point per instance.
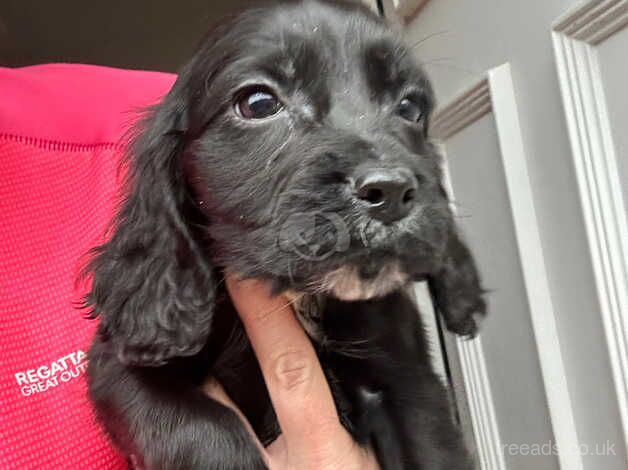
{"type": "Point", "coordinates": [457, 290]}
{"type": "Point", "coordinates": [465, 319]}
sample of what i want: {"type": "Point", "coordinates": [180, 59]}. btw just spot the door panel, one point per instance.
{"type": "Point", "coordinates": [507, 349]}
{"type": "Point", "coordinates": [613, 55]}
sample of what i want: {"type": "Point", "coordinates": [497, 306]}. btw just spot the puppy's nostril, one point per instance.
{"type": "Point", "coordinates": [409, 195]}
{"type": "Point", "coordinates": [373, 195]}
{"type": "Point", "coordinates": [387, 194]}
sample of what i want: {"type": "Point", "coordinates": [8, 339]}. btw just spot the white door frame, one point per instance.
{"type": "Point", "coordinates": [576, 37]}
{"type": "Point", "coordinates": [495, 94]}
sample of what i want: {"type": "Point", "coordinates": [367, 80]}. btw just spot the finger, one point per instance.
{"type": "Point", "coordinates": [298, 389]}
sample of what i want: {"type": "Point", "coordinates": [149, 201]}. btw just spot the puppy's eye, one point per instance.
{"type": "Point", "coordinates": [257, 103]}
{"type": "Point", "coordinates": [409, 110]}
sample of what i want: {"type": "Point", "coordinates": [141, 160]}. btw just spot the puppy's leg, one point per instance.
{"type": "Point", "coordinates": [377, 360]}
{"type": "Point", "coordinates": [428, 435]}
{"type": "Point", "coordinates": [457, 291]}
{"type": "Point", "coordinates": [417, 402]}
{"type": "Point", "coordinates": [164, 424]}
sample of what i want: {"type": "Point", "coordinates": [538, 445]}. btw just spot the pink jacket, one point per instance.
{"type": "Point", "coordinates": [60, 132]}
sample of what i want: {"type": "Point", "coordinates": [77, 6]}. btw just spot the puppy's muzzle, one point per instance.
{"type": "Point", "coordinates": [388, 194]}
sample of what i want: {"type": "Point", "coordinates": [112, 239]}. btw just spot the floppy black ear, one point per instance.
{"type": "Point", "coordinates": [152, 286]}
{"type": "Point", "coordinates": [457, 290]}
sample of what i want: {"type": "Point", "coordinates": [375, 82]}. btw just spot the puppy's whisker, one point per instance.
{"type": "Point", "coordinates": [220, 282]}
{"type": "Point", "coordinates": [273, 157]}
{"type": "Point", "coordinates": [427, 38]}
{"type": "Point", "coordinates": [290, 303]}
{"type": "Point", "coordinates": [354, 342]}
{"type": "Point", "coordinates": [447, 62]}
{"type": "Point", "coordinates": [438, 60]}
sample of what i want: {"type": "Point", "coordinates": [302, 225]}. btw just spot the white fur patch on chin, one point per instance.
{"type": "Point", "coordinates": [346, 283]}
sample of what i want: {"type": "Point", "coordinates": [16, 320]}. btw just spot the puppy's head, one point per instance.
{"type": "Point", "coordinates": [309, 153]}
{"type": "Point", "coordinates": [293, 148]}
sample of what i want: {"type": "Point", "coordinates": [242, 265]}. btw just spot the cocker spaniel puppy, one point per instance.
{"type": "Point", "coordinates": [293, 148]}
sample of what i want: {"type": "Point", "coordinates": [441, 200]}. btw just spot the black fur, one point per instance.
{"type": "Point", "coordinates": [209, 190]}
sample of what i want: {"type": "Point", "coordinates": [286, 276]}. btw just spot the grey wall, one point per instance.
{"type": "Point", "coordinates": [459, 41]}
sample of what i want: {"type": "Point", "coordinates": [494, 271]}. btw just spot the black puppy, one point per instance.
{"type": "Point", "coordinates": [293, 148]}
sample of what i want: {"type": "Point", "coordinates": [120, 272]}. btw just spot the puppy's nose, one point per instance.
{"type": "Point", "coordinates": [389, 193]}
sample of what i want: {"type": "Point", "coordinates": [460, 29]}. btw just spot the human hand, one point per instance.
{"type": "Point", "coordinates": [312, 437]}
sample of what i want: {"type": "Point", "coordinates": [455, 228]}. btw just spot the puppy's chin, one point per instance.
{"type": "Point", "coordinates": [347, 283]}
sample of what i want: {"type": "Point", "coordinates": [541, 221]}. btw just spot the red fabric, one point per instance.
{"type": "Point", "coordinates": [59, 130]}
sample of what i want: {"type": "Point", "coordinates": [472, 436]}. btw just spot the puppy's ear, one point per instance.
{"type": "Point", "coordinates": [457, 290]}
{"type": "Point", "coordinates": [152, 286]}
